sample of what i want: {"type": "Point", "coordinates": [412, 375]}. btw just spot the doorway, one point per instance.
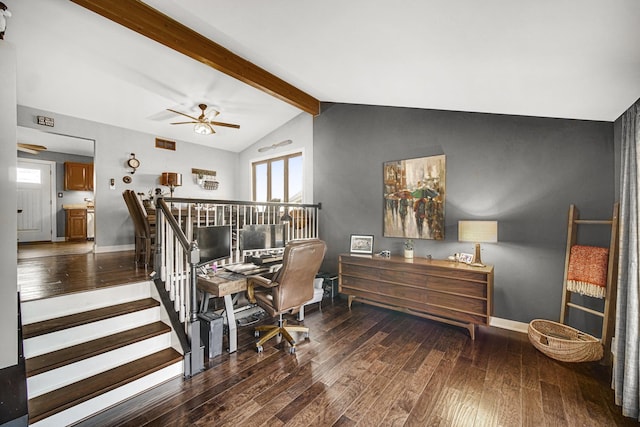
{"type": "Point", "coordinates": [58, 149]}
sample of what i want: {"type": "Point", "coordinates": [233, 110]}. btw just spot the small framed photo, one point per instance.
{"type": "Point", "coordinates": [361, 244]}
{"type": "Point", "coordinates": [466, 258]}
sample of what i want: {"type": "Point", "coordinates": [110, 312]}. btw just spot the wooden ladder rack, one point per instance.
{"type": "Point", "coordinates": [608, 314]}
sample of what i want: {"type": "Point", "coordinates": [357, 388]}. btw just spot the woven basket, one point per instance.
{"type": "Point", "coordinates": [564, 343]}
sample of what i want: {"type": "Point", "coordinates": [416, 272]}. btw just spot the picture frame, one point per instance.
{"type": "Point", "coordinates": [466, 258]}
{"type": "Point", "coordinates": [414, 198]}
{"type": "Point", "coordinates": [361, 244]}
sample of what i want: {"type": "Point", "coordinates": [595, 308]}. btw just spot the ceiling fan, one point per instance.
{"type": "Point", "coordinates": [31, 148]}
{"type": "Point", "coordinates": [276, 145]}
{"type": "Point", "coordinates": [203, 125]}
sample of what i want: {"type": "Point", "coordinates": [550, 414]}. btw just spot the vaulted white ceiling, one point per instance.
{"type": "Point", "coordinates": [577, 59]}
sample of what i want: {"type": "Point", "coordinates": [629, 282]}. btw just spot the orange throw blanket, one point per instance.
{"type": "Point", "coordinates": [587, 273]}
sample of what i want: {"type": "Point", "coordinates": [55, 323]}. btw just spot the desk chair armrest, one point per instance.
{"type": "Point", "coordinates": [253, 281]}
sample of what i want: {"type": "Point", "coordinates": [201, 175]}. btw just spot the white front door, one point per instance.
{"type": "Point", "coordinates": [35, 204]}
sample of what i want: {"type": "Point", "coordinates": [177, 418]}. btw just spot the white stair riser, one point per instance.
{"type": "Point", "coordinates": [58, 340]}
{"type": "Point", "coordinates": [49, 308]}
{"type": "Point", "coordinates": [65, 375]}
{"type": "Point", "coordinates": [111, 398]}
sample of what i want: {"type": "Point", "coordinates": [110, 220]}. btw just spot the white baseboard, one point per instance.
{"type": "Point", "coordinates": [511, 325]}
{"type": "Point", "coordinates": [119, 248]}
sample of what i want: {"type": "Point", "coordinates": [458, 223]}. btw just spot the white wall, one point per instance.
{"type": "Point", "coordinates": [113, 145]}
{"type": "Point", "coordinates": [300, 131]}
{"type": "Point", "coordinates": [8, 228]}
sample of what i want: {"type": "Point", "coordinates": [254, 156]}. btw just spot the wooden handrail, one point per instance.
{"type": "Point", "coordinates": [173, 223]}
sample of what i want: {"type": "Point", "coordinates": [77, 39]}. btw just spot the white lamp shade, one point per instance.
{"type": "Point", "coordinates": [202, 129]}
{"type": "Point", "coordinates": [478, 231]}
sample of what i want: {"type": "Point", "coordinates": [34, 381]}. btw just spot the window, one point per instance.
{"type": "Point", "coordinates": [28, 176]}
{"type": "Point", "coordinates": [279, 178]}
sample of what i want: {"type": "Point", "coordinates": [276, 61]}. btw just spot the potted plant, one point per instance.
{"type": "Point", "coordinates": [408, 248]}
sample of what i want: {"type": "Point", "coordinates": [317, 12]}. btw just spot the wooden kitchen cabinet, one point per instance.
{"type": "Point", "coordinates": [76, 224]}
{"type": "Point", "coordinates": [78, 176]}
{"type": "Point", "coordinates": [446, 291]}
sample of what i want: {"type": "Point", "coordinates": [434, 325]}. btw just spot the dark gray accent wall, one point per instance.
{"type": "Point", "coordinates": [523, 172]}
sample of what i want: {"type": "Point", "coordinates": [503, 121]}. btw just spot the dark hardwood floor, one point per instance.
{"type": "Point", "coordinates": [50, 269]}
{"type": "Point", "coordinates": [370, 366]}
{"type": "Point", "coordinates": [46, 249]}
{"type": "Point", "coordinates": [366, 366]}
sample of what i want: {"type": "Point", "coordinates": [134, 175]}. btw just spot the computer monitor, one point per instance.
{"type": "Point", "coordinates": [262, 236]}
{"type": "Point", "coordinates": [214, 242]}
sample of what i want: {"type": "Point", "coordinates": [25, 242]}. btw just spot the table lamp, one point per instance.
{"type": "Point", "coordinates": [478, 232]}
{"type": "Point", "coordinates": [171, 180]}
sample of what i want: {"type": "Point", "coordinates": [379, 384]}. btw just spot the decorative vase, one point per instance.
{"type": "Point", "coordinates": [408, 253]}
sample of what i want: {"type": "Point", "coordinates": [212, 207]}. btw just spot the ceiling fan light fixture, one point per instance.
{"type": "Point", "coordinates": [202, 129]}
{"type": "Point", "coordinates": [203, 126]}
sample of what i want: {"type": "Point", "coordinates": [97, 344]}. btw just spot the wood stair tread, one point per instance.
{"type": "Point", "coordinates": [66, 397]}
{"type": "Point", "coordinates": [56, 359]}
{"type": "Point", "coordinates": [60, 323]}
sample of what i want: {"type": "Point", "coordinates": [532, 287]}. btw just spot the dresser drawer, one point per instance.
{"type": "Point", "coordinates": [386, 274]}
{"type": "Point", "coordinates": [455, 286]}
{"type": "Point", "coordinates": [359, 286]}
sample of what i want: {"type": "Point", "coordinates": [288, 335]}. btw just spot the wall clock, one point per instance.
{"type": "Point", "coordinates": [133, 163]}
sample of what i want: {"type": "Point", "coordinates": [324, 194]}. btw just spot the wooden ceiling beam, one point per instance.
{"type": "Point", "coordinates": [149, 22]}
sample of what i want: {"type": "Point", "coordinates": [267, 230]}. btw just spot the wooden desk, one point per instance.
{"type": "Point", "coordinates": [223, 284]}
{"type": "Point", "coordinates": [446, 291]}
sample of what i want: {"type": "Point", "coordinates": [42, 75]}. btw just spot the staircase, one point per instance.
{"type": "Point", "coordinates": [91, 350]}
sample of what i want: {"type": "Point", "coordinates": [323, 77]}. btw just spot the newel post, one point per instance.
{"type": "Point", "coordinates": [194, 362]}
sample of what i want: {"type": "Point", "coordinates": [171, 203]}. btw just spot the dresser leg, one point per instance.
{"type": "Point", "coordinates": [351, 298]}
{"type": "Point", "coordinates": [472, 330]}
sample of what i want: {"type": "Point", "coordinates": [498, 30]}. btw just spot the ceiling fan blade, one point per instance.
{"type": "Point", "coordinates": [211, 127]}
{"type": "Point", "coordinates": [267, 148]}
{"type": "Point", "coordinates": [32, 146]}
{"type": "Point", "coordinates": [229, 125]}
{"type": "Point", "coordinates": [27, 150]}
{"type": "Point", "coordinates": [182, 114]}
{"type": "Point", "coordinates": [183, 123]}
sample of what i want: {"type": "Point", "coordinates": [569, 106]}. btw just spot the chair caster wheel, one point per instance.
{"type": "Point", "coordinates": [306, 336]}
{"type": "Point", "coordinates": [292, 350]}
{"type": "Point", "coordinates": [256, 334]}
{"type": "Point", "coordinates": [259, 348]}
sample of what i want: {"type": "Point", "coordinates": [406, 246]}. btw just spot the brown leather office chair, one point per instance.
{"type": "Point", "coordinates": [144, 235]}
{"type": "Point", "coordinates": [288, 290]}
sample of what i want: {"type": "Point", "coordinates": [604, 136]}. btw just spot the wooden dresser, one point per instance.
{"type": "Point", "coordinates": [446, 291]}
